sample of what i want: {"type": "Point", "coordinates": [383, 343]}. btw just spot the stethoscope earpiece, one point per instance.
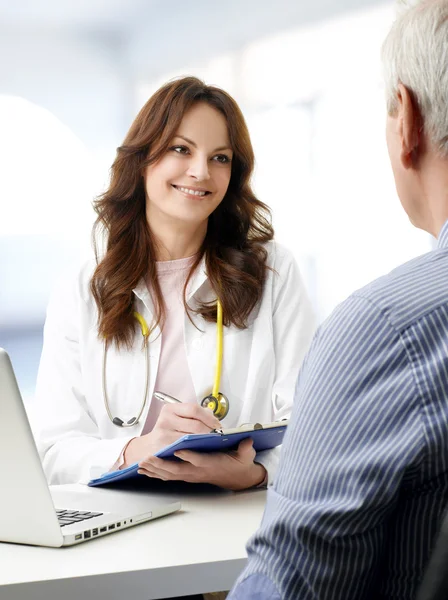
{"type": "Point", "coordinates": [120, 423]}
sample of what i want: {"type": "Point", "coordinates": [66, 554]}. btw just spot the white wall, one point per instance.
{"type": "Point", "coordinates": [80, 79]}
{"type": "Point", "coordinates": [55, 154]}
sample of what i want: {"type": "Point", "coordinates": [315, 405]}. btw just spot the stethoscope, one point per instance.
{"type": "Point", "coordinates": [216, 401]}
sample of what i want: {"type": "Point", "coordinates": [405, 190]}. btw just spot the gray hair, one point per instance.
{"type": "Point", "coordinates": [415, 53]}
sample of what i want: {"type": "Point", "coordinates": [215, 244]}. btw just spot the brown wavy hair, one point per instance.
{"type": "Point", "coordinates": [234, 245]}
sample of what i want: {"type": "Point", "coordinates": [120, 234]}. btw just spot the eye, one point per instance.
{"type": "Point", "coordinates": [179, 149]}
{"type": "Point", "coordinates": [222, 158]}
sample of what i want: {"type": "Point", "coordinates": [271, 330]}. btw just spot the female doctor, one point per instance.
{"type": "Point", "coordinates": [185, 238]}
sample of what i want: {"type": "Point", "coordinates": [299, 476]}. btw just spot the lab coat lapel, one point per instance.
{"type": "Point", "coordinates": [142, 293]}
{"type": "Point", "coordinates": [198, 279]}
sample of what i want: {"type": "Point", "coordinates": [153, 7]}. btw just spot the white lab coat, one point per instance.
{"type": "Point", "coordinates": [75, 437]}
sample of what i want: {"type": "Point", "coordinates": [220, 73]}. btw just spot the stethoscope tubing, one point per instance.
{"type": "Point", "coordinates": [134, 420]}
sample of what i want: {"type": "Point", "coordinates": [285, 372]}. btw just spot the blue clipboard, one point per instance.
{"type": "Point", "coordinates": [264, 437]}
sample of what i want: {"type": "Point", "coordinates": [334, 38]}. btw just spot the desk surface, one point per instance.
{"type": "Point", "coordinates": [198, 549]}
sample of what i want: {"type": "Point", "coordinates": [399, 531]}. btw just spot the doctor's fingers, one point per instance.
{"type": "Point", "coordinates": [190, 411]}
{"type": "Point", "coordinates": [246, 451]}
{"type": "Point", "coordinates": [152, 475]}
{"type": "Point", "coordinates": [155, 473]}
{"type": "Point", "coordinates": [164, 469]}
{"type": "Point", "coordinates": [193, 412]}
{"type": "Point", "coordinates": [198, 459]}
{"type": "Point", "coordinates": [174, 422]}
{"type": "Point", "coordinates": [166, 476]}
{"type": "Point", "coordinates": [153, 463]}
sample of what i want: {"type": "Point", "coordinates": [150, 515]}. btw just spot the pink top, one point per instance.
{"type": "Point", "coordinates": [173, 374]}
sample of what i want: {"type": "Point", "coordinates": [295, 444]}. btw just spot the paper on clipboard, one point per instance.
{"type": "Point", "coordinates": [251, 427]}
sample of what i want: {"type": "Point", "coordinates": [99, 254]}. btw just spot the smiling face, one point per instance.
{"type": "Point", "coordinates": [191, 179]}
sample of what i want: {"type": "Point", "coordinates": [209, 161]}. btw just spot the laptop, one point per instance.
{"type": "Point", "coordinates": [33, 513]}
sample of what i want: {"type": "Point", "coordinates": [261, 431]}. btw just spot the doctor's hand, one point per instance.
{"type": "Point", "coordinates": [235, 470]}
{"type": "Point", "coordinates": [175, 420]}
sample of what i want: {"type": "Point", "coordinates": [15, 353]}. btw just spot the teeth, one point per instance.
{"type": "Point", "coordinates": [189, 191]}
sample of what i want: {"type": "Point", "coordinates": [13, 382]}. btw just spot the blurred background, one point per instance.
{"type": "Point", "coordinates": [307, 76]}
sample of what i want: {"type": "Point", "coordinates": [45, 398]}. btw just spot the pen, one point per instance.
{"type": "Point", "coordinates": [165, 398]}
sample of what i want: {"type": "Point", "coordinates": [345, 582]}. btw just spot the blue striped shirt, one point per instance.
{"type": "Point", "coordinates": [363, 477]}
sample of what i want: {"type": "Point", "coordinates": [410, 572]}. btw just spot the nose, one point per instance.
{"type": "Point", "coordinates": [199, 168]}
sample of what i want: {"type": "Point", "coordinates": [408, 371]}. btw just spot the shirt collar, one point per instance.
{"type": "Point", "coordinates": [442, 240]}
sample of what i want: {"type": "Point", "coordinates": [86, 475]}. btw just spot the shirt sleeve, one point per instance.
{"type": "Point", "coordinates": [356, 429]}
{"type": "Point", "coordinates": [294, 325]}
{"type": "Point", "coordinates": [67, 436]}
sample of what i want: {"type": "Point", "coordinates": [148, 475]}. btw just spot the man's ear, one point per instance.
{"type": "Point", "coordinates": [409, 126]}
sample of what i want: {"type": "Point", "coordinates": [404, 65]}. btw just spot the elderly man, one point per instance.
{"type": "Point", "coordinates": [363, 480]}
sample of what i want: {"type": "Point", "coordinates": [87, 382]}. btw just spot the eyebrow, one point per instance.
{"type": "Point", "coordinates": [195, 145]}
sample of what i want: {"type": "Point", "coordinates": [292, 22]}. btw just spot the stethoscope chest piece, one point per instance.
{"type": "Point", "coordinates": [219, 405]}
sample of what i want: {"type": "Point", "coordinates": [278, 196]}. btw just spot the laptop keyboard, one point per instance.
{"type": "Point", "coordinates": [68, 517]}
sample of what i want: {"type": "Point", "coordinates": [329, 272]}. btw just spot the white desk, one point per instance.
{"type": "Point", "coordinates": [199, 549]}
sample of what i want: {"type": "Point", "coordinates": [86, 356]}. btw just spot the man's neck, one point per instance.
{"type": "Point", "coordinates": [435, 189]}
{"type": "Point", "coordinates": [431, 185]}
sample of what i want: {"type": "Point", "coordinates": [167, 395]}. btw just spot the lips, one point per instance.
{"type": "Point", "coordinates": [192, 191]}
